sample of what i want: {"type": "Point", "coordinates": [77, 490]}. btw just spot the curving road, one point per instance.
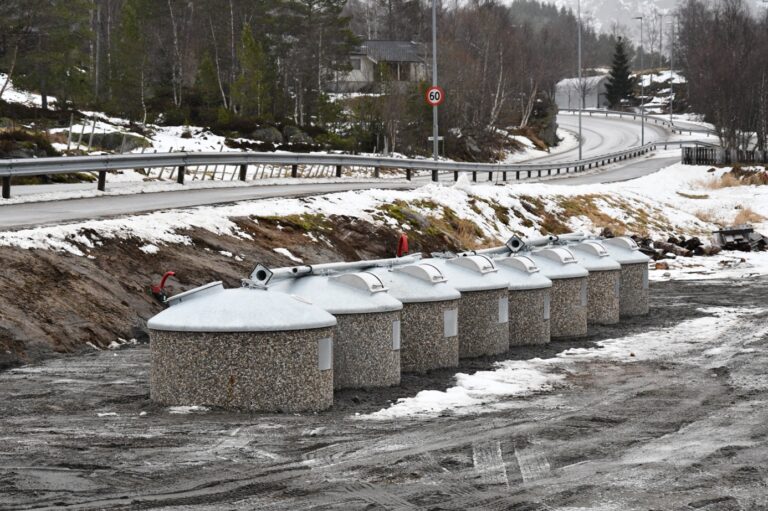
{"type": "Point", "coordinates": [601, 135]}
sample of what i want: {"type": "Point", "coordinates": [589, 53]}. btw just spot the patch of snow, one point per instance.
{"type": "Point", "coordinates": [149, 249]}
{"type": "Point", "coordinates": [183, 410]}
{"type": "Point", "coordinates": [287, 253]}
{"type": "Point", "coordinates": [107, 414]}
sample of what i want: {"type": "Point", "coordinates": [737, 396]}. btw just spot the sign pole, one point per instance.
{"type": "Point", "coordinates": [435, 142]}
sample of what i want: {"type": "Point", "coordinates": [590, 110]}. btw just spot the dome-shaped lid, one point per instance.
{"type": "Point", "coordinates": [522, 272]}
{"type": "Point", "coordinates": [625, 250]}
{"type": "Point", "coordinates": [211, 308]}
{"type": "Point", "coordinates": [416, 283]}
{"type": "Point", "coordinates": [557, 263]}
{"type": "Point", "coordinates": [470, 273]}
{"type": "Point", "coordinates": [593, 256]}
{"type": "Point", "coordinates": [345, 293]}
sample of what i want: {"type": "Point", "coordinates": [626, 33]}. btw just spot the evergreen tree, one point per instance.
{"type": "Point", "coordinates": [250, 90]}
{"type": "Point", "coordinates": [620, 83]}
{"type": "Point", "coordinates": [129, 76]}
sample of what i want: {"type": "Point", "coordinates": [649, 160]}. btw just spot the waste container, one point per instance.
{"type": "Point", "coordinates": [483, 306]}
{"type": "Point", "coordinates": [429, 319]}
{"type": "Point", "coordinates": [568, 305]}
{"type": "Point", "coordinates": [529, 300]}
{"type": "Point", "coordinates": [634, 292]}
{"type": "Point", "coordinates": [242, 348]}
{"type": "Point", "coordinates": [603, 282]}
{"type": "Point", "coordinates": [367, 340]}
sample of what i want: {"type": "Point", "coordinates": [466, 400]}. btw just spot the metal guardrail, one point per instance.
{"type": "Point", "coordinates": [675, 128]}
{"type": "Point", "coordinates": [183, 160]}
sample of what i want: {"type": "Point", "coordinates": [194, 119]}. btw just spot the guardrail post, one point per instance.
{"type": "Point", "coordinates": [243, 171]}
{"type": "Point", "coordinates": [408, 174]}
{"type": "Point", "coordinates": [529, 174]}
{"type": "Point", "coordinates": [517, 175]}
{"type": "Point", "coordinates": [376, 171]}
{"type": "Point", "coordinates": [474, 176]}
{"type": "Point", "coordinates": [181, 172]}
{"type": "Point", "coordinates": [6, 187]}
{"type": "Point", "coordinates": [102, 183]}
{"type": "Point", "coordinates": [338, 171]}
{"type": "Point", "coordinates": [294, 171]}
{"type": "Point", "coordinates": [490, 176]}
{"type": "Point", "coordinates": [455, 175]}
{"type": "Point", "coordinates": [435, 178]}
{"type": "Point", "coordinates": [504, 176]}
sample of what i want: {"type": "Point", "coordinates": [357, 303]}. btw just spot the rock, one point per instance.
{"type": "Point", "coordinates": [113, 141]}
{"type": "Point", "coordinates": [268, 134]}
{"type": "Point", "coordinates": [662, 265]}
{"type": "Point", "coordinates": [294, 135]}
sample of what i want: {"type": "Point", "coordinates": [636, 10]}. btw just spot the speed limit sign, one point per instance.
{"type": "Point", "coordinates": [435, 95]}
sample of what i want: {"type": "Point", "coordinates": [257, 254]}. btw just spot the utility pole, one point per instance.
{"type": "Point", "coordinates": [672, 71]}
{"type": "Point", "coordinates": [435, 141]}
{"type": "Point", "coordinates": [581, 85]}
{"type": "Point", "coordinates": [642, 84]}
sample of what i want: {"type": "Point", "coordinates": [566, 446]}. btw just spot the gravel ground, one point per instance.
{"type": "Point", "coordinates": [679, 432]}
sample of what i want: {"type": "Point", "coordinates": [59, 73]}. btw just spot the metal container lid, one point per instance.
{"type": "Point", "coordinates": [593, 256]}
{"type": "Point", "coordinates": [470, 273]}
{"type": "Point", "coordinates": [522, 272]}
{"type": "Point", "coordinates": [345, 293]}
{"type": "Point", "coordinates": [211, 308]}
{"type": "Point", "coordinates": [625, 251]}
{"type": "Point", "coordinates": [557, 263]}
{"type": "Point", "coordinates": [417, 283]}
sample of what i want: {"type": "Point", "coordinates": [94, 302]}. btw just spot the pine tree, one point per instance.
{"type": "Point", "coordinates": [129, 76]}
{"type": "Point", "coordinates": [251, 88]}
{"type": "Point", "coordinates": [620, 83]}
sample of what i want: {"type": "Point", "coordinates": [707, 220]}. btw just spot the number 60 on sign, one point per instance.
{"type": "Point", "coordinates": [435, 95]}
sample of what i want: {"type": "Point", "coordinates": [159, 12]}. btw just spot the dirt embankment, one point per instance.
{"type": "Point", "coordinates": [55, 302]}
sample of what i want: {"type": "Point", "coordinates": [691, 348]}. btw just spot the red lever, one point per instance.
{"type": "Point", "coordinates": [402, 246]}
{"type": "Point", "coordinates": [158, 291]}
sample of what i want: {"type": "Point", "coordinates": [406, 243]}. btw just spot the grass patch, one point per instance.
{"type": "Point", "coordinates": [747, 216]}
{"type": "Point", "coordinates": [707, 215]}
{"type": "Point", "coordinates": [693, 195]}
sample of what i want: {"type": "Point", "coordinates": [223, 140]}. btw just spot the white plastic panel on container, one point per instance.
{"type": "Point", "coordinates": [522, 273]}
{"type": "Point", "coordinates": [198, 292]}
{"type": "Point", "coordinates": [426, 272]}
{"type": "Point", "coordinates": [325, 354]}
{"type": "Point", "coordinates": [593, 256]}
{"type": "Point", "coordinates": [416, 283]}
{"type": "Point", "coordinates": [617, 287]}
{"type": "Point", "coordinates": [215, 309]}
{"type": "Point", "coordinates": [547, 303]}
{"type": "Point", "coordinates": [583, 293]}
{"type": "Point", "coordinates": [469, 274]}
{"type": "Point", "coordinates": [504, 310]}
{"type": "Point", "coordinates": [396, 334]}
{"type": "Point", "coordinates": [625, 250]}
{"type": "Point", "coordinates": [476, 263]}
{"type": "Point", "coordinates": [557, 263]}
{"type": "Point", "coordinates": [646, 283]}
{"type": "Point", "coordinates": [451, 322]}
{"type": "Point", "coordinates": [365, 281]}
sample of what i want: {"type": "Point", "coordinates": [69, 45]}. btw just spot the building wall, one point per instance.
{"type": "Point", "coordinates": [567, 95]}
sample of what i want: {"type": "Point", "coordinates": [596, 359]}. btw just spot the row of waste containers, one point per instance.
{"type": "Point", "coordinates": [286, 346]}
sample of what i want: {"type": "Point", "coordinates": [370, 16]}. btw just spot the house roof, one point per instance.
{"type": "Point", "coordinates": [590, 82]}
{"type": "Point", "coordinates": [392, 51]}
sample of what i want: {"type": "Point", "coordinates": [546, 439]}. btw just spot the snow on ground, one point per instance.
{"type": "Point", "coordinates": [486, 391]}
{"type": "Point", "coordinates": [662, 77]}
{"type": "Point", "coordinates": [726, 265]}
{"type": "Point", "coordinates": [15, 95]}
{"type": "Point", "coordinates": [644, 203]}
{"type": "Point", "coordinates": [287, 253]}
{"type": "Point", "coordinates": [531, 152]}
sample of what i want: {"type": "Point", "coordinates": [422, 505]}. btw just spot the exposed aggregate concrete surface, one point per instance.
{"type": "Point", "coordinates": [425, 345]}
{"type": "Point", "coordinates": [480, 331]}
{"type": "Point", "coordinates": [603, 292]}
{"type": "Point", "coordinates": [363, 354]}
{"type": "Point", "coordinates": [254, 371]}
{"type": "Point", "coordinates": [568, 314]}
{"type": "Point", "coordinates": [529, 317]}
{"type": "Point", "coordinates": [635, 296]}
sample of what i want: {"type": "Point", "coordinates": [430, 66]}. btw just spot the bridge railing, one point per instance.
{"type": "Point", "coordinates": [649, 118]}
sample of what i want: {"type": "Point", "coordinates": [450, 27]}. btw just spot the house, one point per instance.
{"type": "Point", "coordinates": [376, 61]}
{"type": "Point", "coordinates": [593, 91]}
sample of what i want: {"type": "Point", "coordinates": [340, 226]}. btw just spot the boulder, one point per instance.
{"type": "Point", "coordinates": [268, 134]}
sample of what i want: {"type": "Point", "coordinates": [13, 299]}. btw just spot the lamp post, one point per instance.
{"type": "Point", "coordinates": [672, 71]}
{"type": "Point", "coordinates": [581, 85]}
{"type": "Point", "coordinates": [435, 141]}
{"type": "Point", "coordinates": [642, 85]}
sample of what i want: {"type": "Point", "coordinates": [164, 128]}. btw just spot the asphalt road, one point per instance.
{"type": "Point", "coordinates": [601, 135]}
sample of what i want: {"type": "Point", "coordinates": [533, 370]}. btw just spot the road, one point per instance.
{"type": "Point", "coordinates": [601, 135]}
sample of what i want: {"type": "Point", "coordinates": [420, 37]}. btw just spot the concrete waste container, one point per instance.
{"type": "Point", "coordinates": [568, 305]}
{"type": "Point", "coordinates": [529, 300]}
{"type": "Point", "coordinates": [634, 292]}
{"type": "Point", "coordinates": [242, 348]}
{"type": "Point", "coordinates": [430, 331]}
{"type": "Point", "coordinates": [603, 282]}
{"type": "Point", "coordinates": [484, 304]}
{"type": "Point", "coordinates": [367, 340]}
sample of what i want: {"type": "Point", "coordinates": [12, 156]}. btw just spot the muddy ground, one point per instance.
{"type": "Point", "coordinates": [673, 432]}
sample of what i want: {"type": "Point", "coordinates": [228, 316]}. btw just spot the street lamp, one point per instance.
{"type": "Point", "coordinates": [642, 84]}
{"type": "Point", "coordinates": [435, 142]}
{"type": "Point", "coordinates": [672, 70]}
{"type": "Point", "coordinates": [581, 85]}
